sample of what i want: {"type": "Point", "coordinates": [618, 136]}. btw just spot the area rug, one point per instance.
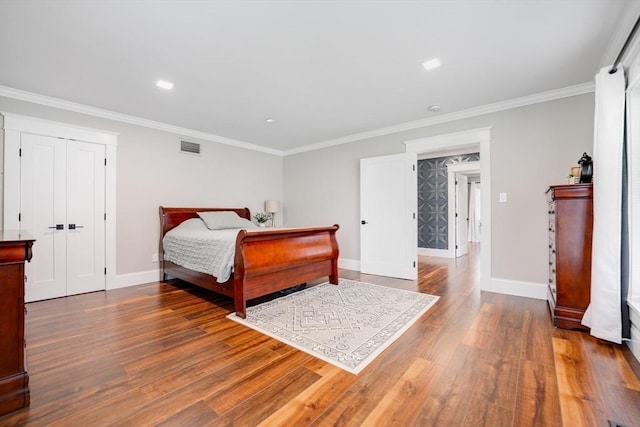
{"type": "Point", "coordinates": [347, 325]}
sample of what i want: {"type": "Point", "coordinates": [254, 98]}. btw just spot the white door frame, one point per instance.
{"type": "Point", "coordinates": [13, 126]}
{"type": "Point", "coordinates": [463, 168]}
{"type": "Point", "coordinates": [463, 140]}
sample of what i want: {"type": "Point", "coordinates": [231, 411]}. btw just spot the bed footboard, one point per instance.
{"type": "Point", "coordinates": [269, 261]}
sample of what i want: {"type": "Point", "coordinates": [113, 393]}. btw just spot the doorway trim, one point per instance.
{"type": "Point", "coordinates": [462, 140]}
{"type": "Point", "coordinates": [453, 171]}
{"type": "Point", "coordinates": [13, 126]}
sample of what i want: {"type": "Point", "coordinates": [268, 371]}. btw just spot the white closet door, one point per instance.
{"type": "Point", "coordinates": [62, 193]}
{"type": "Point", "coordinates": [85, 217]}
{"type": "Point", "coordinates": [42, 207]}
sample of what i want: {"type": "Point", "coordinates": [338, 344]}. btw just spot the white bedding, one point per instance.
{"type": "Point", "coordinates": [192, 245]}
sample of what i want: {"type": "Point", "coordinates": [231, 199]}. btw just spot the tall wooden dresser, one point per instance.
{"type": "Point", "coordinates": [15, 249]}
{"type": "Point", "coordinates": [570, 234]}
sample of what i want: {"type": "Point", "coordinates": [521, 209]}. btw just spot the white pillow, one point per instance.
{"type": "Point", "coordinates": [224, 219]}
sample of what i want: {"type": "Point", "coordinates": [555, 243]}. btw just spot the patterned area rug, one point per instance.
{"type": "Point", "coordinates": [347, 325]}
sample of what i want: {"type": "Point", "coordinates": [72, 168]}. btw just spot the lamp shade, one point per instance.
{"type": "Point", "coordinates": [272, 206]}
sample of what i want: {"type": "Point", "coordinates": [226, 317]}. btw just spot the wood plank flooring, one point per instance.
{"type": "Point", "coordinates": [164, 354]}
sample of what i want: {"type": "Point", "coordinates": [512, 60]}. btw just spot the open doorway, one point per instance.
{"type": "Point", "coordinates": [475, 140]}
{"type": "Point", "coordinates": [444, 201]}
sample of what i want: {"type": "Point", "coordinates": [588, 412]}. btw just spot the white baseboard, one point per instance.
{"type": "Point", "coordinates": [349, 264]}
{"type": "Point", "coordinates": [441, 253]}
{"type": "Point", "coordinates": [634, 344]}
{"type": "Point", "coordinates": [516, 288]}
{"type": "Point", "coordinates": [132, 279]}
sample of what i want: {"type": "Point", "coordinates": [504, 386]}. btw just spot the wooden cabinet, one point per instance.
{"type": "Point", "coordinates": [570, 235]}
{"type": "Point", "coordinates": [15, 249]}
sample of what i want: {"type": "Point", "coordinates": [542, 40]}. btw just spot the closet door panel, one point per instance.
{"type": "Point", "coordinates": [42, 207]}
{"type": "Point", "coordinates": [85, 217]}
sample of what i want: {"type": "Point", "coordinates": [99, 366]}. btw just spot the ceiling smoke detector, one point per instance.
{"type": "Point", "coordinates": [434, 108]}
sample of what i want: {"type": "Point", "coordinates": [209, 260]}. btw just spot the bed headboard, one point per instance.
{"type": "Point", "coordinates": [171, 217]}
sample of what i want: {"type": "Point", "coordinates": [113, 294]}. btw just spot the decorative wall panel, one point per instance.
{"type": "Point", "coordinates": [433, 187]}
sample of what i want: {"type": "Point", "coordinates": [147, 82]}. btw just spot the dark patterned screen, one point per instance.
{"type": "Point", "coordinates": [433, 187]}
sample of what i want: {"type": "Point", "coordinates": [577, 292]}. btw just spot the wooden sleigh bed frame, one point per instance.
{"type": "Point", "coordinates": [265, 261]}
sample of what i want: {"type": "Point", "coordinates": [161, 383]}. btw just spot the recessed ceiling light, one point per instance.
{"type": "Point", "coordinates": [434, 108]}
{"type": "Point", "coordinates": [431, 64]}
{"type": "Point", "coordinates": [164, 84]}
{"type": "Point", "coordinates": [270, 120]}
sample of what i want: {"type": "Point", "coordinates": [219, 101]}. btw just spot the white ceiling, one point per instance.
{"type": "Point", "coordinates": [323, 69]}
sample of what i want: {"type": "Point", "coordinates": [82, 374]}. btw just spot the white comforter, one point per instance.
{"type": "Point", "coordinates": [192, 245]}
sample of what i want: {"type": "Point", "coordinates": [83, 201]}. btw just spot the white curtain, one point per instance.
{"type": "Point", "coordinates": [474, 212]}
{"type": "Point", "coordinates": [603, 315]}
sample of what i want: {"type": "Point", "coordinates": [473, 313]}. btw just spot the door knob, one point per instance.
{"type": "Point", "coordinates": [58, 227]}
{"type": "Point", "coordinates": [363, 222]}
{"type": "Point", "coordinates": [73, 226]}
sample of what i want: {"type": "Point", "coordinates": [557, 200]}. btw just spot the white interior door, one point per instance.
{"type": "Point", "coordinates": [388, 205]}
{"type": "Point", "coordinates": [42, 208]}
{"type": "Point", "coordinates": [462, 214]}
{"type": "Point", "coordinates": [85, 217]}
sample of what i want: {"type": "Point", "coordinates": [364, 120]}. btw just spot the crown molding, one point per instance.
{"type": "Point", "coordinates": [125, 118]}
{"type": "Point", "coordinates": [184, 132]}
{"type": "Point", "coordinates": [485, 109]}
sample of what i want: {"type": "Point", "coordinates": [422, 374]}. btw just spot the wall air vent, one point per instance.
{"type": "Point", "coordinates": [189, 147]}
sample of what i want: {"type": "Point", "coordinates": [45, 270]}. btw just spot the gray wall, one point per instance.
{"type": "Point", "coordinates": [152, 172]}
{"type": "Point", "coordinates": [433, 199]}
{"type": "Point", "coordinates": [532, 147]}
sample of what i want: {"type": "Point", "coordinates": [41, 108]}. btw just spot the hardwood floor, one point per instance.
{"type": "Point", "coordinates": [164, 354]}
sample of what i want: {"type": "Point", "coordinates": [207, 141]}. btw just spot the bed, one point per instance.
{"type": "Point", "coordinates": [265, 261]}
